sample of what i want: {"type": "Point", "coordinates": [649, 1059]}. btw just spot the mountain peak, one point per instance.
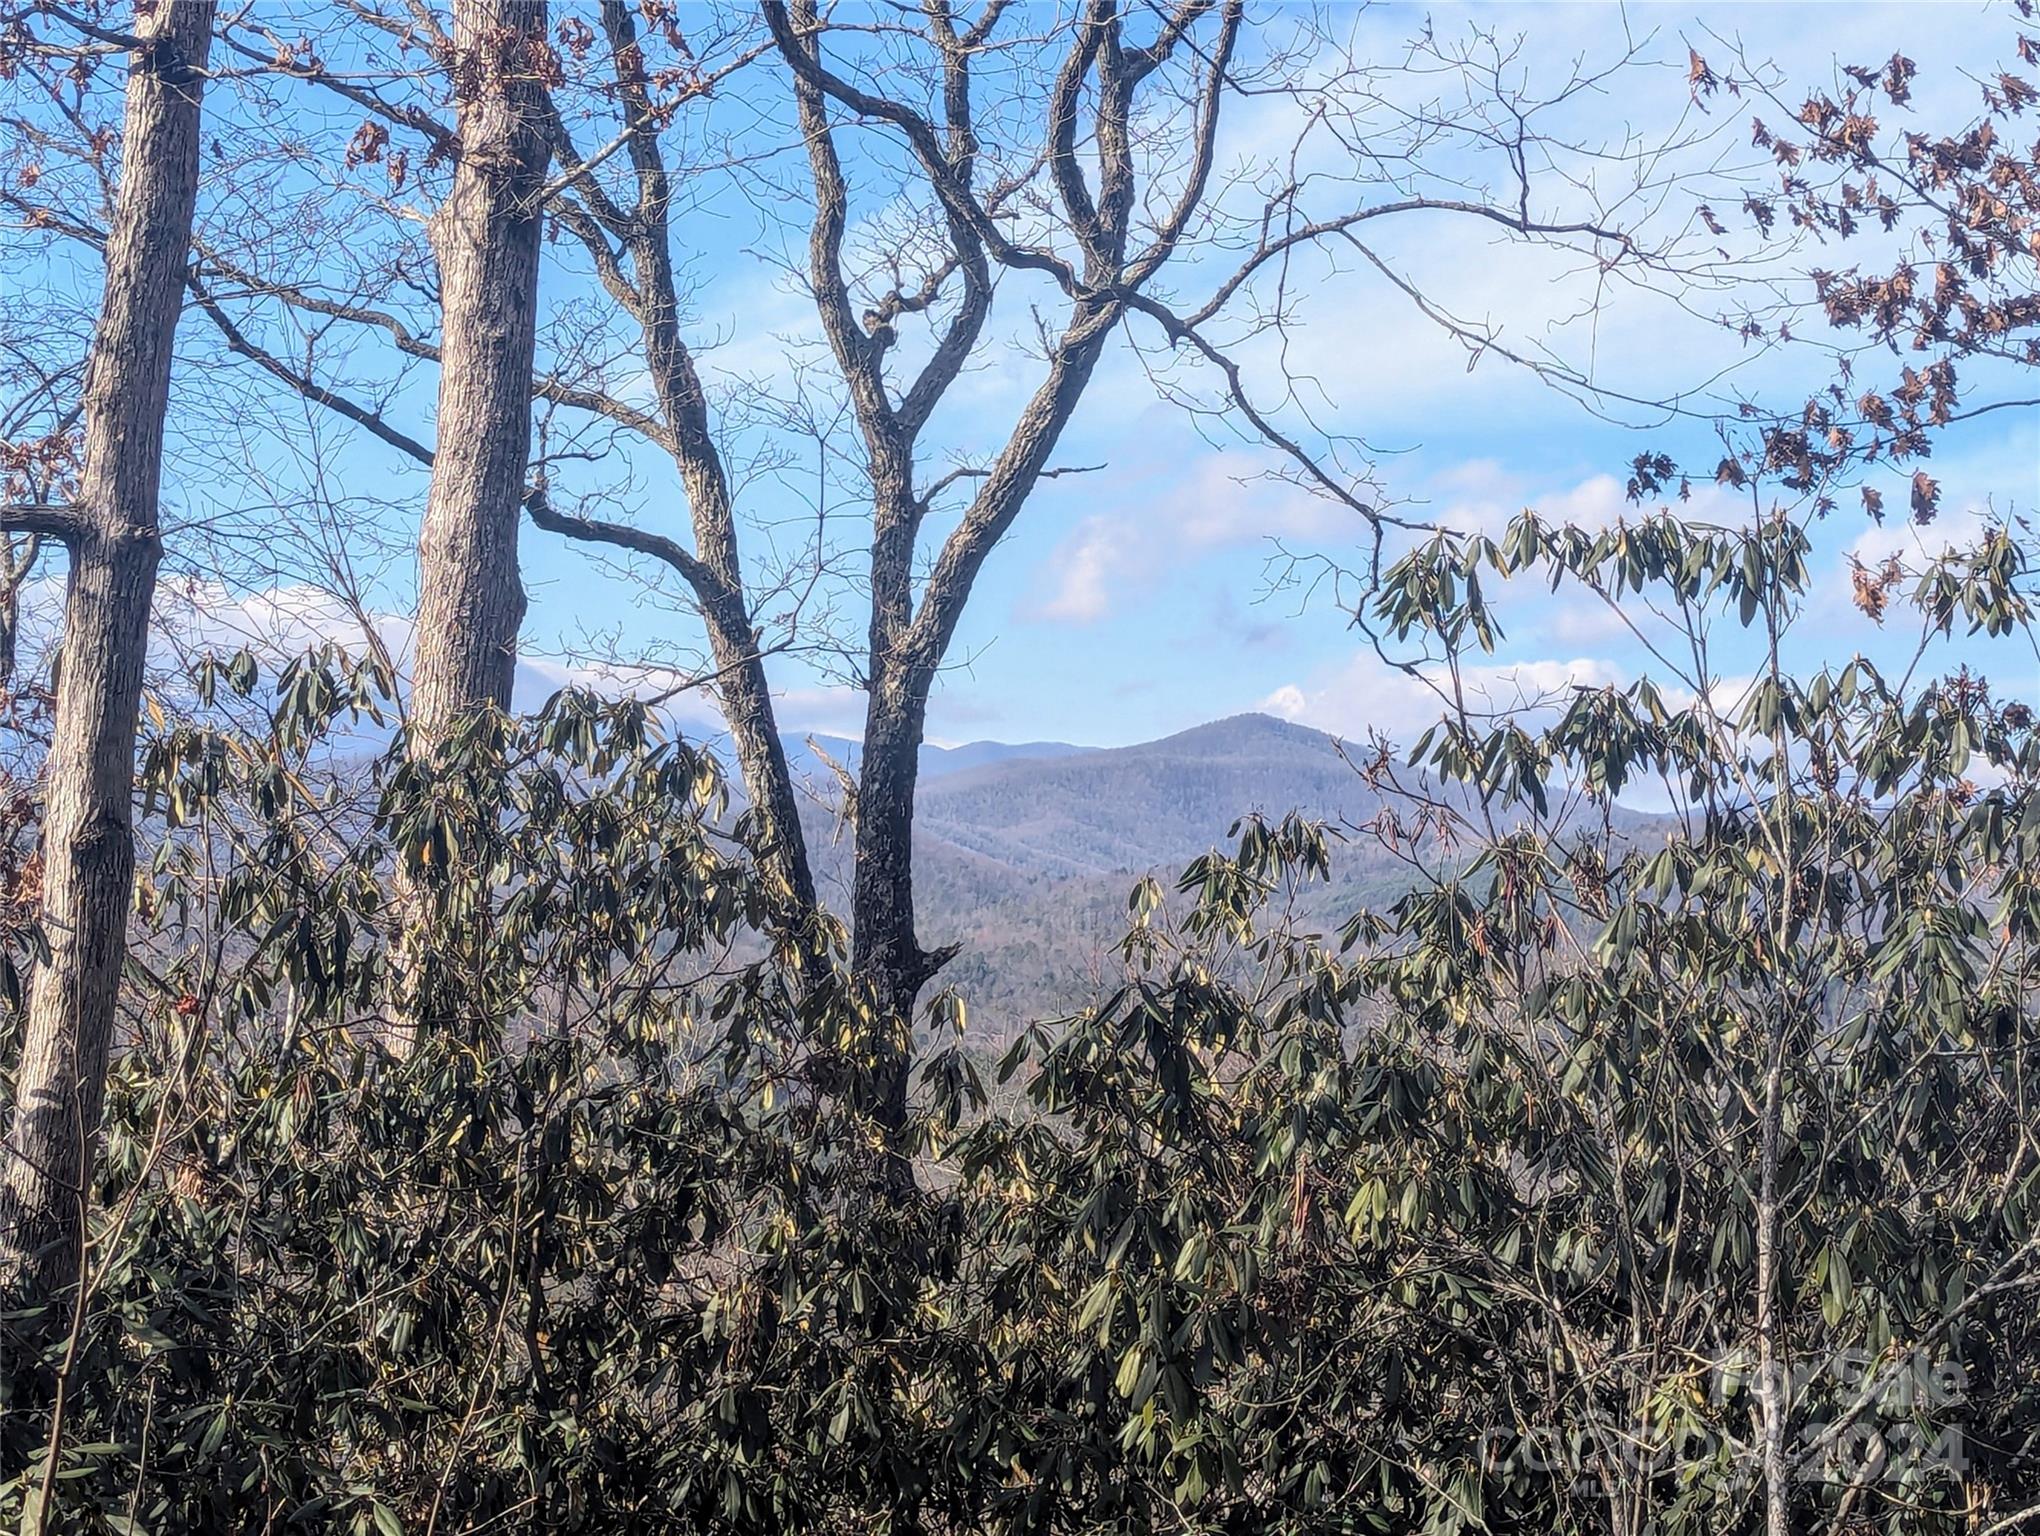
{"type": "Point", "coordinates": [1252, 730]}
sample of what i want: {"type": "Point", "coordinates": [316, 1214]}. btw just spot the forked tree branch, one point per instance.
{"type": "Point", "coordinates": [311, 389]}
{"type": "Point", "coordinates": [955, 196]}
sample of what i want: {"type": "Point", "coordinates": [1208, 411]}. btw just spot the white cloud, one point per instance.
{"type": "Point", "coordinates": [1083, 571]}
{"type": "Point", "coordinates": [1365, 694]}
{"type": "Point", "coordinates": [1480, 496]}
{"type": "Point", "coordinates": [1229, 497]}
{"type": "Point", "coordinates": [274, 623]}
{"type": "Point", "coordinates": [681, 699]}
{"type": "Point", "coordinates": [831, 710]}
{"type": "Point", "coordinates": [1288, 701]}
{"type": "Point", "coordinates": [1914, 544]}
{"type": "Point", "coordinates": [1580, 619]}
{"type": "Point", "coordinates": [195, 617]}
{"type": "Point", "coordinates": [1988, 486]}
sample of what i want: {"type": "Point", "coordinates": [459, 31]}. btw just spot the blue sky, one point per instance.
{"type": "Point", "coordinates": [1135, 599]}
{"type": "Point", "coordinates": [1168, 627]}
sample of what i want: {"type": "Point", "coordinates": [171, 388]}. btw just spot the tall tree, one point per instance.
{"type": "Point", "coordinates": [110, 529]}
{"type": "Point", "coordinates": [1108, 180]}
{"type": "Point", "coordinates": [486, 238]}
{"type": "Point", "coordinates": [638, 231]}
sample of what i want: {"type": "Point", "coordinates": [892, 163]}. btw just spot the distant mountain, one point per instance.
{"type": "Point", "coordinates": [1027, 855]}
{"type": "Point", "coordinates": [936, 762]}
{"type": "Point", "coordinates": [1127, 809]}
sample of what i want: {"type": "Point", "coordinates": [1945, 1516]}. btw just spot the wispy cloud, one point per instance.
{"type": "Point", "coordinates": [1162, 520]}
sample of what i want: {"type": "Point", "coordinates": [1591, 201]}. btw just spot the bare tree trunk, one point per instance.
{"type": "Point", "coordinates": [746, 699]}
{"type": "Point", "coordinates": [17, 563]}
{"type": "Point", "coordinates": [713, 568]}
{"type": "Point", "coordinates": [112, 530]}
{"type": "Point", "coordinates": [1774, 1368]}
{"type": "Point", "coordinates": [717, 575]}
{"type": "Point", "coordinates": [486, 237]}
{"type": "Point", "coordinates": [888, 967]}
{"type": "Point", "coordinates": [1773, 1384]}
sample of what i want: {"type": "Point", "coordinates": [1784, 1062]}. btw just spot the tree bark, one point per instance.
{"type": "Point", "coordinates": [888, 967]}
{"type": "Point", "coordinates": [486, 238]}
{"type": "Point", "coordinates": [713, 569]}
{"type": "Point", "coordinates": [88, 842]}
{"type": "Point", "coordinates": [1774, 1402]}
{"type": "Point", "coordinates": [718, 581]}
{"type": "Point", "coordinates": [17, 564]}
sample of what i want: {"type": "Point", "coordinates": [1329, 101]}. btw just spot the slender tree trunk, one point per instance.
{"type": "Point", "coordinates": [746, 699]}
{"type": "Point", "coordinates": [741, 684]}
{"type": "Point", "coordinates": [1773, 1385]}
{"type": "Point", "coordinates": [1774, 1367]}
{"type": "Point", "coordinates": [486, 238]}
{"type": "Point", "coordinates": [17, 564]}
{"type": "Point", "coordinates": [88, 842]}
{"type": "Point", "coordinates": [10, 626]}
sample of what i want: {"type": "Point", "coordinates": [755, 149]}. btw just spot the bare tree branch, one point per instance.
{"type": "Point", "coordinates": [238, 343]}
{"type": "Point", "coordinates": [538, 505]}
{"type": "Point", "coordinates": [47, 520]}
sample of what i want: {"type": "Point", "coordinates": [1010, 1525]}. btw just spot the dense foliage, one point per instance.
{"type": "Point", "coordinates": [1614, 1170]}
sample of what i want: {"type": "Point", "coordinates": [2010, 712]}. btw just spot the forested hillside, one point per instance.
{"type": "Point", "coordinates": [1027, 863]}
{"type": "Point", "coordinates": [1139, 807]}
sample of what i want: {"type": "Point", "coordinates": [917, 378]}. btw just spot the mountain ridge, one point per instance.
{"type": "Point", "coordinates": [809, 754]}
{"type": "Point", "coordinates": [1027, 860]}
